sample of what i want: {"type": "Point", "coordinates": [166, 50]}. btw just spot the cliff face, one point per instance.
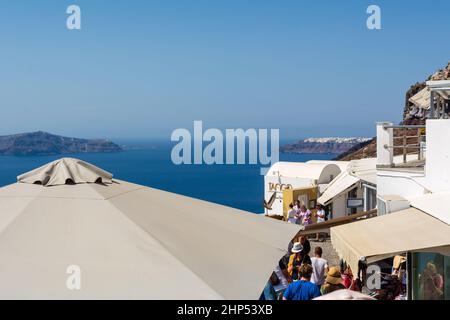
{"type": "Point", "coordinates": [409, 118]}
{"type": "Point", "coordinates": [367, 149]}
{"type": "Point", "coordinates": [322, 145]}
{"type": "Point", "coordinates": [43, 143]}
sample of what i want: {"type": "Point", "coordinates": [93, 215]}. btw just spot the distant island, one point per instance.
{"type": "Point", "coordinates": [43, 143]}
{"type": "Point", "coordinates": [333, 145]}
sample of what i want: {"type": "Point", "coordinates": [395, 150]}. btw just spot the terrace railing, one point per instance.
{"type": "Point", "coordinates": [324, 227]}
{"type": "Point", "coordinates": [405, 140]}
{"type": "Point", "coordinates": [409, 140]}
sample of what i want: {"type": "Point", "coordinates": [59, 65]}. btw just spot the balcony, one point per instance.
{"type": "Point", "coordinates": [401, 147]}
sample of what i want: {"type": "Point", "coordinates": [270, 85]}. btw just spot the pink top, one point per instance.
{"type": "Point", "coordinates": [306, 217]}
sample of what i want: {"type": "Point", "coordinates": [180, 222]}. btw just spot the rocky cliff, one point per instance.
{"type": "Point", "coordinates": [367, 149]}
{"type": "Point", "coordinates": [410, 117]}
{"type": "Point", "coordinates": [43, 143]}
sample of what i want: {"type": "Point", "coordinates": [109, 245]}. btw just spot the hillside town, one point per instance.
{"type": "Point", "coordinates": [374, 224]}
{"type": "Point", "coordinates": [332, 145]}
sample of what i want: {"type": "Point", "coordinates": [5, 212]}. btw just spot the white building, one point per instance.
{"type": "Point", "coordinates": [307, 179]}
{"type": "Point", "coordinates": [413, 203]}
{"type": "Point", "coordinates": [353, 190]}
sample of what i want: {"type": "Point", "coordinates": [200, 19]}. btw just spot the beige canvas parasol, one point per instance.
{"type": "Point", "coordinates": [129, 241]}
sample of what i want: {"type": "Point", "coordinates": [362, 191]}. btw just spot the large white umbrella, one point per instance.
{"type": "Point", "coordinates": [345, 294]}
{"type": "Point", "coordinates": [69, 224]}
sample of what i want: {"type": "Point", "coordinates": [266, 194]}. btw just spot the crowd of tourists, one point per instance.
{"type": "Point", "coordinates": [300, 214]}
{"type": "Point", "coordinates": [302, 277]}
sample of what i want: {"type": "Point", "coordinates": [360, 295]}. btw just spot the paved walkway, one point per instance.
{"type": "Point", "coordinates": [328, 251]}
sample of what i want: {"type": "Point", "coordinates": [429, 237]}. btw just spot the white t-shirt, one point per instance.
{"type": "Point", "coordinates": [319, 265]}
{"type": "Point", "coordinates": [321, 213]}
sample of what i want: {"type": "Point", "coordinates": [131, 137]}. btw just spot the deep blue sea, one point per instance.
{"type": "Point", "coordinates": [238, 186]}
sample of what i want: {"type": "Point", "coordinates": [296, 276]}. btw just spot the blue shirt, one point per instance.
{"type": "Point", "coordinates": [302, 290]}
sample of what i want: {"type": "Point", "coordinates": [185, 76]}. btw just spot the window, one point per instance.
{"type": "Point", "coordinates": [430, 276]}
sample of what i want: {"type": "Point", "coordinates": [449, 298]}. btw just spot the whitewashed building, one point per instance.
{"type": "Point", "coordinates": [309, 179]}
{"type": "Point", "coordinates": [353, 190]}
{"type": "Point", "coordinates": [413, 204]}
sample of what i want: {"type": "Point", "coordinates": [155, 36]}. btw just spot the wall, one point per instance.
{"type": "Point", "coordinates": [438, 154]}
{"type": "Point", "coordinates": [436, 174]}
{"type": "Point", "coordinates": [281, 184]}
{"type": "Point", "coordinates": [339, 206]}
{"type": "Point", "coordinates": [330, 172]}
{"type": "Point", "coordinates": [290, 196]}
{"type": "Point", "coordinates": [405, 184]}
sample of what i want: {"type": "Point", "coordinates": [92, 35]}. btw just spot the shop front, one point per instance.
{"type": "Point", "coordinates": [430, 276]}
{"type": "Point", "coordinates": [425, 239]}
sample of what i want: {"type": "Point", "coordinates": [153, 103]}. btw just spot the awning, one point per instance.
{"type": "Point", "coordinates": [322, 187]}
{"type": "Point", "coordinates": [365, 170]}
{"type": "Point", "coordinates": [421, 99]}
{"type": "Point", "coordinates": [391, 234]}
{"type": "Point", "coordinates": [343, 182]}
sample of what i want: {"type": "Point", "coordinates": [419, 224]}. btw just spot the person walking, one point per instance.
{"type": "Point", "coordinates": [303, 289]}
{"type": "Point", "coordinates": [305, 216]}
{"type": "Point", "coordinates": [296, 212]}
{"type": "Point", "coordinates": [297, 205]}
{"type": "Point", "coordinates": [297, 259]}
{"type": "Point", "coordinates": [292, 215]}
{"type": "Point", "coordinates": [320, 212]}
{"type": "Point", "coordinates": [333, 281]}
{"type": "Point", "coordinates": [321, 217]}
{"type": "Point", "coordinates": [306, 245]}
{"type": "Point", "coordinates": [320, 267]}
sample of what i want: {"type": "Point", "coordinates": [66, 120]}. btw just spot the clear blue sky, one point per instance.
{"type": "Point", "coordinates": [144, 68]}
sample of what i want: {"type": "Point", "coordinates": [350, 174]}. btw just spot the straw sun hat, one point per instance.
{"type": "Point", "coordinates": [334, 276]}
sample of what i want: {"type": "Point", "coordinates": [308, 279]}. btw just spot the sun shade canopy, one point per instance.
{"type": "Point", "coordinates": [421, 99]}
{"type": "Point", "coordinates": [130, 242]}
{"type": "Point", "coordinates": [391, 234]}
{"type": "Point", "coordinates": [343, 183]}
{"type": "Point", "coordinates": [66, 171]}
{"type": "Point", "coordinates": [345, 294]}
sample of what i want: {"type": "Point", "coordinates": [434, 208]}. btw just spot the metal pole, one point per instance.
{"type": "Point", "coordinates": [409, 275]}
{"type": "Point", "coordinates": [432, 109]}
{"type": "Point", "coordinates": [419, 136]}
{"type": "Point", "coordinates": [366, 198]}
{"type": "Point", "coordinates": [404, 145]}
